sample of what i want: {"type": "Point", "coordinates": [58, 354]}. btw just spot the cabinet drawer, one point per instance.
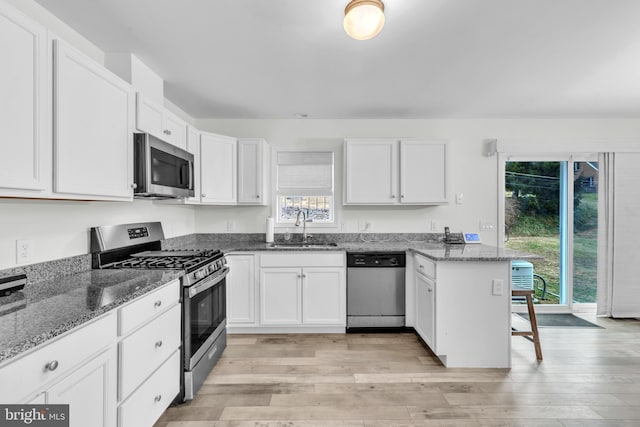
{"type": "Point", "coordinates": [144, 308]}
{"type": "Point", "coordinates": [30, 373]}
{"type": "Point", "coordinates": [143, 351]}
{"type": "Point", "coordinates": [146, 405]}
{"type": "Point", "coordinates": [306, 259]}
{"type": "Point", "coordinates": [425, 266]}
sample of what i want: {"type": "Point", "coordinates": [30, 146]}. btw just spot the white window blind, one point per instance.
{"type": "Point", "coordinates": [308, 173]}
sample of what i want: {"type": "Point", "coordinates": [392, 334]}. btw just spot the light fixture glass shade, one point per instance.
{"type": "Point", "coordinates": [364, 19]}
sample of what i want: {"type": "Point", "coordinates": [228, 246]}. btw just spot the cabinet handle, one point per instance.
{"type": "Point", "coordinates": [158, 398]}
{"type": "Point", "coordinates": [203, 195]}
{"type": "Point", "coordinates": [421, 267]}
{"type": "Point", "coordinates": [159, 344]}
{"type": "Point", "coordinates": [393, 196]}
{"type": "Point", "coordinates": [157, 304]}
{"type": "Point", "coordinates": [429, 290]}
{"type": "Point", "coordinates": [402, 196]}
{"type": "Point", "coordinates": [134, 185]}
{"type": "Point", "coordinates": [299, 276]}
{"type": "Point", "coordinates": [258, 196]}
{"type": "Point", "coordinates": [304, 276]}
{"type": "Point", "coordinates": [167, 132]}
{"type": "Point", "coordinates": [52, 366]}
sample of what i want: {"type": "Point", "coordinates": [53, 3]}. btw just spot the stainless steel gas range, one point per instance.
{"type": "Point", "coordinates": [203, 290]}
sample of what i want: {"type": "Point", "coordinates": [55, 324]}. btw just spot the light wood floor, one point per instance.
{"type": "Point", "coordinates": [589, 377]}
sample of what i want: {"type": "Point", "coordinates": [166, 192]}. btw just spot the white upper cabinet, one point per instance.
{"type": "Point", "coordinates": [395, 172]}
{"type": "Point", "coordinates": [25, 107]}
{"type": "Point", "coordinates": [193, 147]}
{"type": "Point", "coordinates": [156, 120]}
{"type": "Point", "coordinates": [423, 176]}
{"type": "Point", "coordinates": [218, 169]}
{"type": "Point", "coordinates": [371, 172]}
{"type": "Point", "coordinates": [252, 182]}
{"type": "Point", "coordinates": [93, 129]}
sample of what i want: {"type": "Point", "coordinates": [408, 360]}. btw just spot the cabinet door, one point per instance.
{"type": "Point", "coordinates": [241, 290]}
{"type": "Point", "coordinates": [25, 163]}
{"type": "Point", "coordinates": [193, 146]}
{"type": "Point", "coordinates": [423, 177]}
{"type": "Point", "coordinates": [90, 392]}
{"type": "Point", "coordinates": [250, 172]}
{"type": "Point", "coordinates": [175, 130]}
{"type": "Point", "coordinates": [149, 117]}
{"type": "Point", "coordinates": [371, 172]}
{"type": "Point", "coordinates": [425, 309]}
{"type": "Point", "coordinates": [324, 296]}
{"type": "Point", "coordinates": [280, 296]}
{"type": "Point", "coordinates": [93, 134]}
{"type": "Point", "coordinates": [218, 169]}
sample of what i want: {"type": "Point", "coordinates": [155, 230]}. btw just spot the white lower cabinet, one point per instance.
{"type": "Point", "coordinates": [148, 402]}
{"type": "Point", "coordinates": [241, 300]}
{"type": "Point", "coordinates": [90, 392]}
{"type": "Point", "coordinates": [280, 296]}
{"type": "Point", "coordinates": [106, 382]}
{"type": "Point", "coordinates": [323, 296]}
{"type": "Point", "coordinates": [458, 313]}
{"type": "Point", "coordinates": [425, 309]}
{"type": "Point", "coordinates": [79, 369]}
{"type": "Point", "coordinates": [149, 376]}
{"type": "Point", "coordinates": [307, 290]}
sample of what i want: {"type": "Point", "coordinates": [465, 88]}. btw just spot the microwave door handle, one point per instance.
{"type": "Point", "coordinates": [191, 183]}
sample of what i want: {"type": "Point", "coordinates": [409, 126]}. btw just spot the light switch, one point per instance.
{"type": "Point", "coordinates": [498, 287]}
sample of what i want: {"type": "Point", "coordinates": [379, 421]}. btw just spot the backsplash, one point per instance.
{"type": "Point", "coordinates": [51, 269]}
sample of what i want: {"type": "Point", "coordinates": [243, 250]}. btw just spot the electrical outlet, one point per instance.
{"type": "Point", "coordinates": [486, 226]}
{"type": "Point", "coordinates": [497, 287]}
{"type": "Point", "coordinates": [23, 251]}
{"type": "Point", "coordinates": [435, 225]}
{"type": "Point", "coordinates": [231, 226]}
{"type": "Point", "coordinates": [365, 226]}
{"type": "Point", "coordinates": [459, 198]}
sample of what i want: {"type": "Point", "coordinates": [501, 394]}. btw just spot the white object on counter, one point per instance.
{"type": "Point", "coordinates": [269, 233]}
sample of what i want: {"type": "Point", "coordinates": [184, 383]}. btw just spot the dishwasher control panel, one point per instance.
{"type": "Point", "coordinates": [376, 259]}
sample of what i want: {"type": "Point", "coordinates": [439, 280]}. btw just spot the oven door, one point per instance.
{"type": "Point", "coordinates": [205, 312]}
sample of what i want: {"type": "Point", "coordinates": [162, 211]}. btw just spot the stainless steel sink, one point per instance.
{"type": "Point", "coordinates": [293, 245]}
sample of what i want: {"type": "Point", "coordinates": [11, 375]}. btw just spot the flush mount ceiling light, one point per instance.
{"type": "Point", "coordinates": [364, 19]}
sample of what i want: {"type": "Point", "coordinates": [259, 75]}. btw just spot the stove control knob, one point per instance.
{"type": "Point", "coordinates": [199, 274]}
{"type": "Point", "coordinates": [393, 261]}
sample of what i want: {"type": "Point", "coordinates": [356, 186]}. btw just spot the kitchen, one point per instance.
{"type": "Point", "coordinates": [59, 229]}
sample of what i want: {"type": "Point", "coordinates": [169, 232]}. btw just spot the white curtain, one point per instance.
{"type": "Point", "coordinates": [605, 233]}
{"type": "Point", "coordinates": [619, 260]}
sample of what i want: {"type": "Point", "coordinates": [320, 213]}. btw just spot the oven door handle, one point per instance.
{"type": "Point", "coordinates": [208, 283]}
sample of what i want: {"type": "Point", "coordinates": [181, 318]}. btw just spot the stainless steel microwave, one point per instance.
{"type": "Point", "coordinates": [161, 170]}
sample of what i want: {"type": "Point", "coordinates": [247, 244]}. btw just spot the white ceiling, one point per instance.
{"type": "Point", "coordinates": [434, 58]}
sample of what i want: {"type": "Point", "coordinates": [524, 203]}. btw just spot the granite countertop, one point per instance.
{"type": "Point", "coordinates": [47, 309]}
{"type": "Point", "coordinates": [432, 250]}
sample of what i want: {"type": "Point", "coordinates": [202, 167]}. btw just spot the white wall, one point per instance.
{"type": "Point", "coordinates": [60, 229]}
{"type": "Point", "coordinates": [472, 172]}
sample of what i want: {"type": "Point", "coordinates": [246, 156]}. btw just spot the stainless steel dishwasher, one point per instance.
{"type": "Point", "coordinates": [375, 289]}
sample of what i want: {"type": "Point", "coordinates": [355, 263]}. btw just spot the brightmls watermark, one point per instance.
{"type": "Point", "coordinates": [34, 415]}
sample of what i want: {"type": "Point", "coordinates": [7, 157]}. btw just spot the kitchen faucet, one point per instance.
{"type": "Point", "coordinates": [304, 224]}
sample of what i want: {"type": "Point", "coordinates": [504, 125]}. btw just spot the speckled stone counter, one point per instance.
{"type": "Point", "coordinates": [46, 309]}
{"type": "Point", "coordinates": [425, 244]}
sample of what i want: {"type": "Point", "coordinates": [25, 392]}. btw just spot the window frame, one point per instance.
{"type": "Point", "coordinates": [290, 226]}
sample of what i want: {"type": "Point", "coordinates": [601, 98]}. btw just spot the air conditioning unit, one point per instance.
{"type": "Point", "coordinates": [521, 275]}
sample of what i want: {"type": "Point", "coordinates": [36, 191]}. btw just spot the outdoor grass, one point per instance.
{"type": "Point", "coordinates": [540, 236]}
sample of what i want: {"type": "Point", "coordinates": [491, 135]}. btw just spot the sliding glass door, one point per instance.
{"type": "Point", "coordinates": [550, 209]}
